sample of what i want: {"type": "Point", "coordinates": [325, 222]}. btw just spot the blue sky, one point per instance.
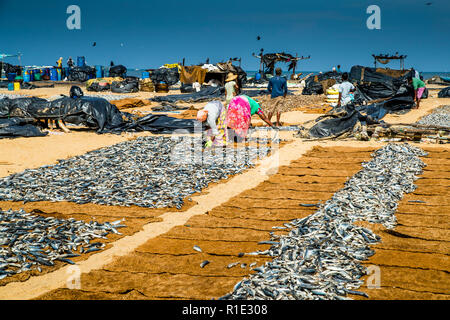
{"type": "Point", "coordinates": [158, 32]}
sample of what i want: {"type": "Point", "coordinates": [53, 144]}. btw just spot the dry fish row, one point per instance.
{"type": "Point", "coordinates": [439, 117]}
{"type": "Point", "coordinates": [29, 241]}
{"type": "Point", "coordinates": [110, 97]}
{"type": "Point", "coordinates": [320, 257]}
{"type": "Point", "coordinates": [151, 172]}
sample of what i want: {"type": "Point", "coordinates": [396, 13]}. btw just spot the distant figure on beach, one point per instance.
{"type": "Point", "coordinates": [231, 88]}
{"type": "Point", "coordinates": [59, 63]}
{"type": "Point", "coordinates": [345, 88]}
{"type": "Point", "coordinates": [70, 62]}
{"type": "Point", "coordinates": [419, 88]}
{"type": "Point", "coordinates": [215, 114]}
{"type": "Point", "coordinates": [278, 89]}
{"type": "Point", "coordinates": [338, 69]}
{"type": "Point", "coordinates": [111, 64]}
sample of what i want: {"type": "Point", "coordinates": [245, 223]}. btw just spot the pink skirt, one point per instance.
{"type": "Point", "coordinates": [420, 92]}
{"type": "Point", "coordinates": [239, 116]}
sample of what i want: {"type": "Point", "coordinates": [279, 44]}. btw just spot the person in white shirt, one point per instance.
{"type": "Point", "coordinates": [345, 88]}
{"type": "Point", "coordinates": [214, 113]}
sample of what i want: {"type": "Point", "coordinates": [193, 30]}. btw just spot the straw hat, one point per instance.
{"type": "Point", "coordinates": [231, 77]}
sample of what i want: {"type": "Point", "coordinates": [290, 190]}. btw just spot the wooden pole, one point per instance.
{"type": "Point", "coordinates": [295, 64]}
{"type": "Point", "coordinates": [62, 126]}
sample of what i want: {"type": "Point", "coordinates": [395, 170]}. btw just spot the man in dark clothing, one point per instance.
{"type": "Point", "coordinates": [70, 62]}
{"type": "Point", "coordinates": [278, 89]}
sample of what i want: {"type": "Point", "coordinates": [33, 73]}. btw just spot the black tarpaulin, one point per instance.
{"type": "Point", "coordinates": [313, 88]}
{"type": "Point", "coordinates": [335, 126]}
{"type": "Point", "coordinates": [164, 124]}
{"type": "Point", "coordinates": [89, 111]}
{"type": "Point", "coordinates": [373, 84]}
{"type": "Point", "coordinates": [203, 95]}
{"type": "Point", "coordinates": [99, 87]}
{"type": "Point", "coordinates": [9, 68]}
{"type": "Point", "coordinates": [117, 71]}
{"type": "Point", "coordinates": [126, 86]}
{"type": "Point", "coordinates": [313, 85]}
{"type": "Point", "coordinates": [81, 74]}
{"type": "Point", "coordinates": [170, 76]}
{"type": "Point", "coordinates": [29, 86]}
{"type": "Point", "coordinates": [19, 127]}
{"type": "Point", "coordinates": [444, 93]}
{"type": "Point", "coordinates": [21, 107]}
{"type": "Point", "coordinates": [92, 112]}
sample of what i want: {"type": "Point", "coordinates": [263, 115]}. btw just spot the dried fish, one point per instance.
{"type": "Point", "coordinates": [204, 263]}
{"type": "Point", "coordinates": [153, 172]}
{"type": "Point", "coordinates": [321, 256]}
{"type": "Point", "coordinates": [29, 241]}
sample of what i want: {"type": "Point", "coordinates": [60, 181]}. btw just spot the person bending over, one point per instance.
{"type": "Point", "coordinates": [419, 88]}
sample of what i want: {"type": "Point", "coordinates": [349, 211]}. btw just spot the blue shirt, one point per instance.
{"type": "Point", "coordinates": [277, 86]}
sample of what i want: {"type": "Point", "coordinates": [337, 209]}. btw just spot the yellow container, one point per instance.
{"type": "Point", "coordinates": [16, 86]}
{"type": "Point", "coordinates": [332, 92]}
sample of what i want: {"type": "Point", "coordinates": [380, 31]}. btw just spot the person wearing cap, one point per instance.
{"type": "Point", "coordinates": [278, 91]}
{"type": "Point", "coordinates": [231, 88]}
{"type": "Point", "coordinates": [214, 113]}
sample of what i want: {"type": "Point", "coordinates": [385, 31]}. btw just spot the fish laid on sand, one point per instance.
{"type": "Point", "coordinates": [28, 241]}
{"type": "Point", "coordinates": [321, 256]}
{"type": "Point", "coordinates": [153, 172]}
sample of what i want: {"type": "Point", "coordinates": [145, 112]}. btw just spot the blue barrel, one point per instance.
{"type": "Point", "coordinates": [257, 76]}
{"type": "Point", "coordinates": [26, 75]}
{"type": "Point", "coordinates": [81, 61]}
{"type": "Point", "coordinates": [99, 71]}
{"type": "Point", "coordinates": [53, 74]}
{"type": "Point", "coordinates": [11, 76]}
{"type": "Point", "coordinates": [145, 75]}
{"type": "Point", "coordinates": [11, 86]}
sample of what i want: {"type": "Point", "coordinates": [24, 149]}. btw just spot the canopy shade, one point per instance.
{"type": "Point", "coordinates": [5, 55]}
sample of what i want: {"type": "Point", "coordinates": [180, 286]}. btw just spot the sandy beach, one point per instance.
{"type": "Point", "coordinates": [152, 254]}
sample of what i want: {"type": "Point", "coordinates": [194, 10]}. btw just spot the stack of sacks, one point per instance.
{"type": "Point", "coordinates": [146, 85]}
{"type": "Point", "coordinates": [101, 84]}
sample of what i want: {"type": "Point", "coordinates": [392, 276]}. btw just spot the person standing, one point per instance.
{"type": "Point", "coordinates": [338, 69]}
{"type": "Point", "coordinates": [278, 91]}
{"type": "Point", "coordinates": [419, 88]}
{"type": "Point", "coordinates": [59, 64]}
{"type": "Point", "coordinates": [70, 62]}
{"type": "Point", "coordinates": [231, 88]}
